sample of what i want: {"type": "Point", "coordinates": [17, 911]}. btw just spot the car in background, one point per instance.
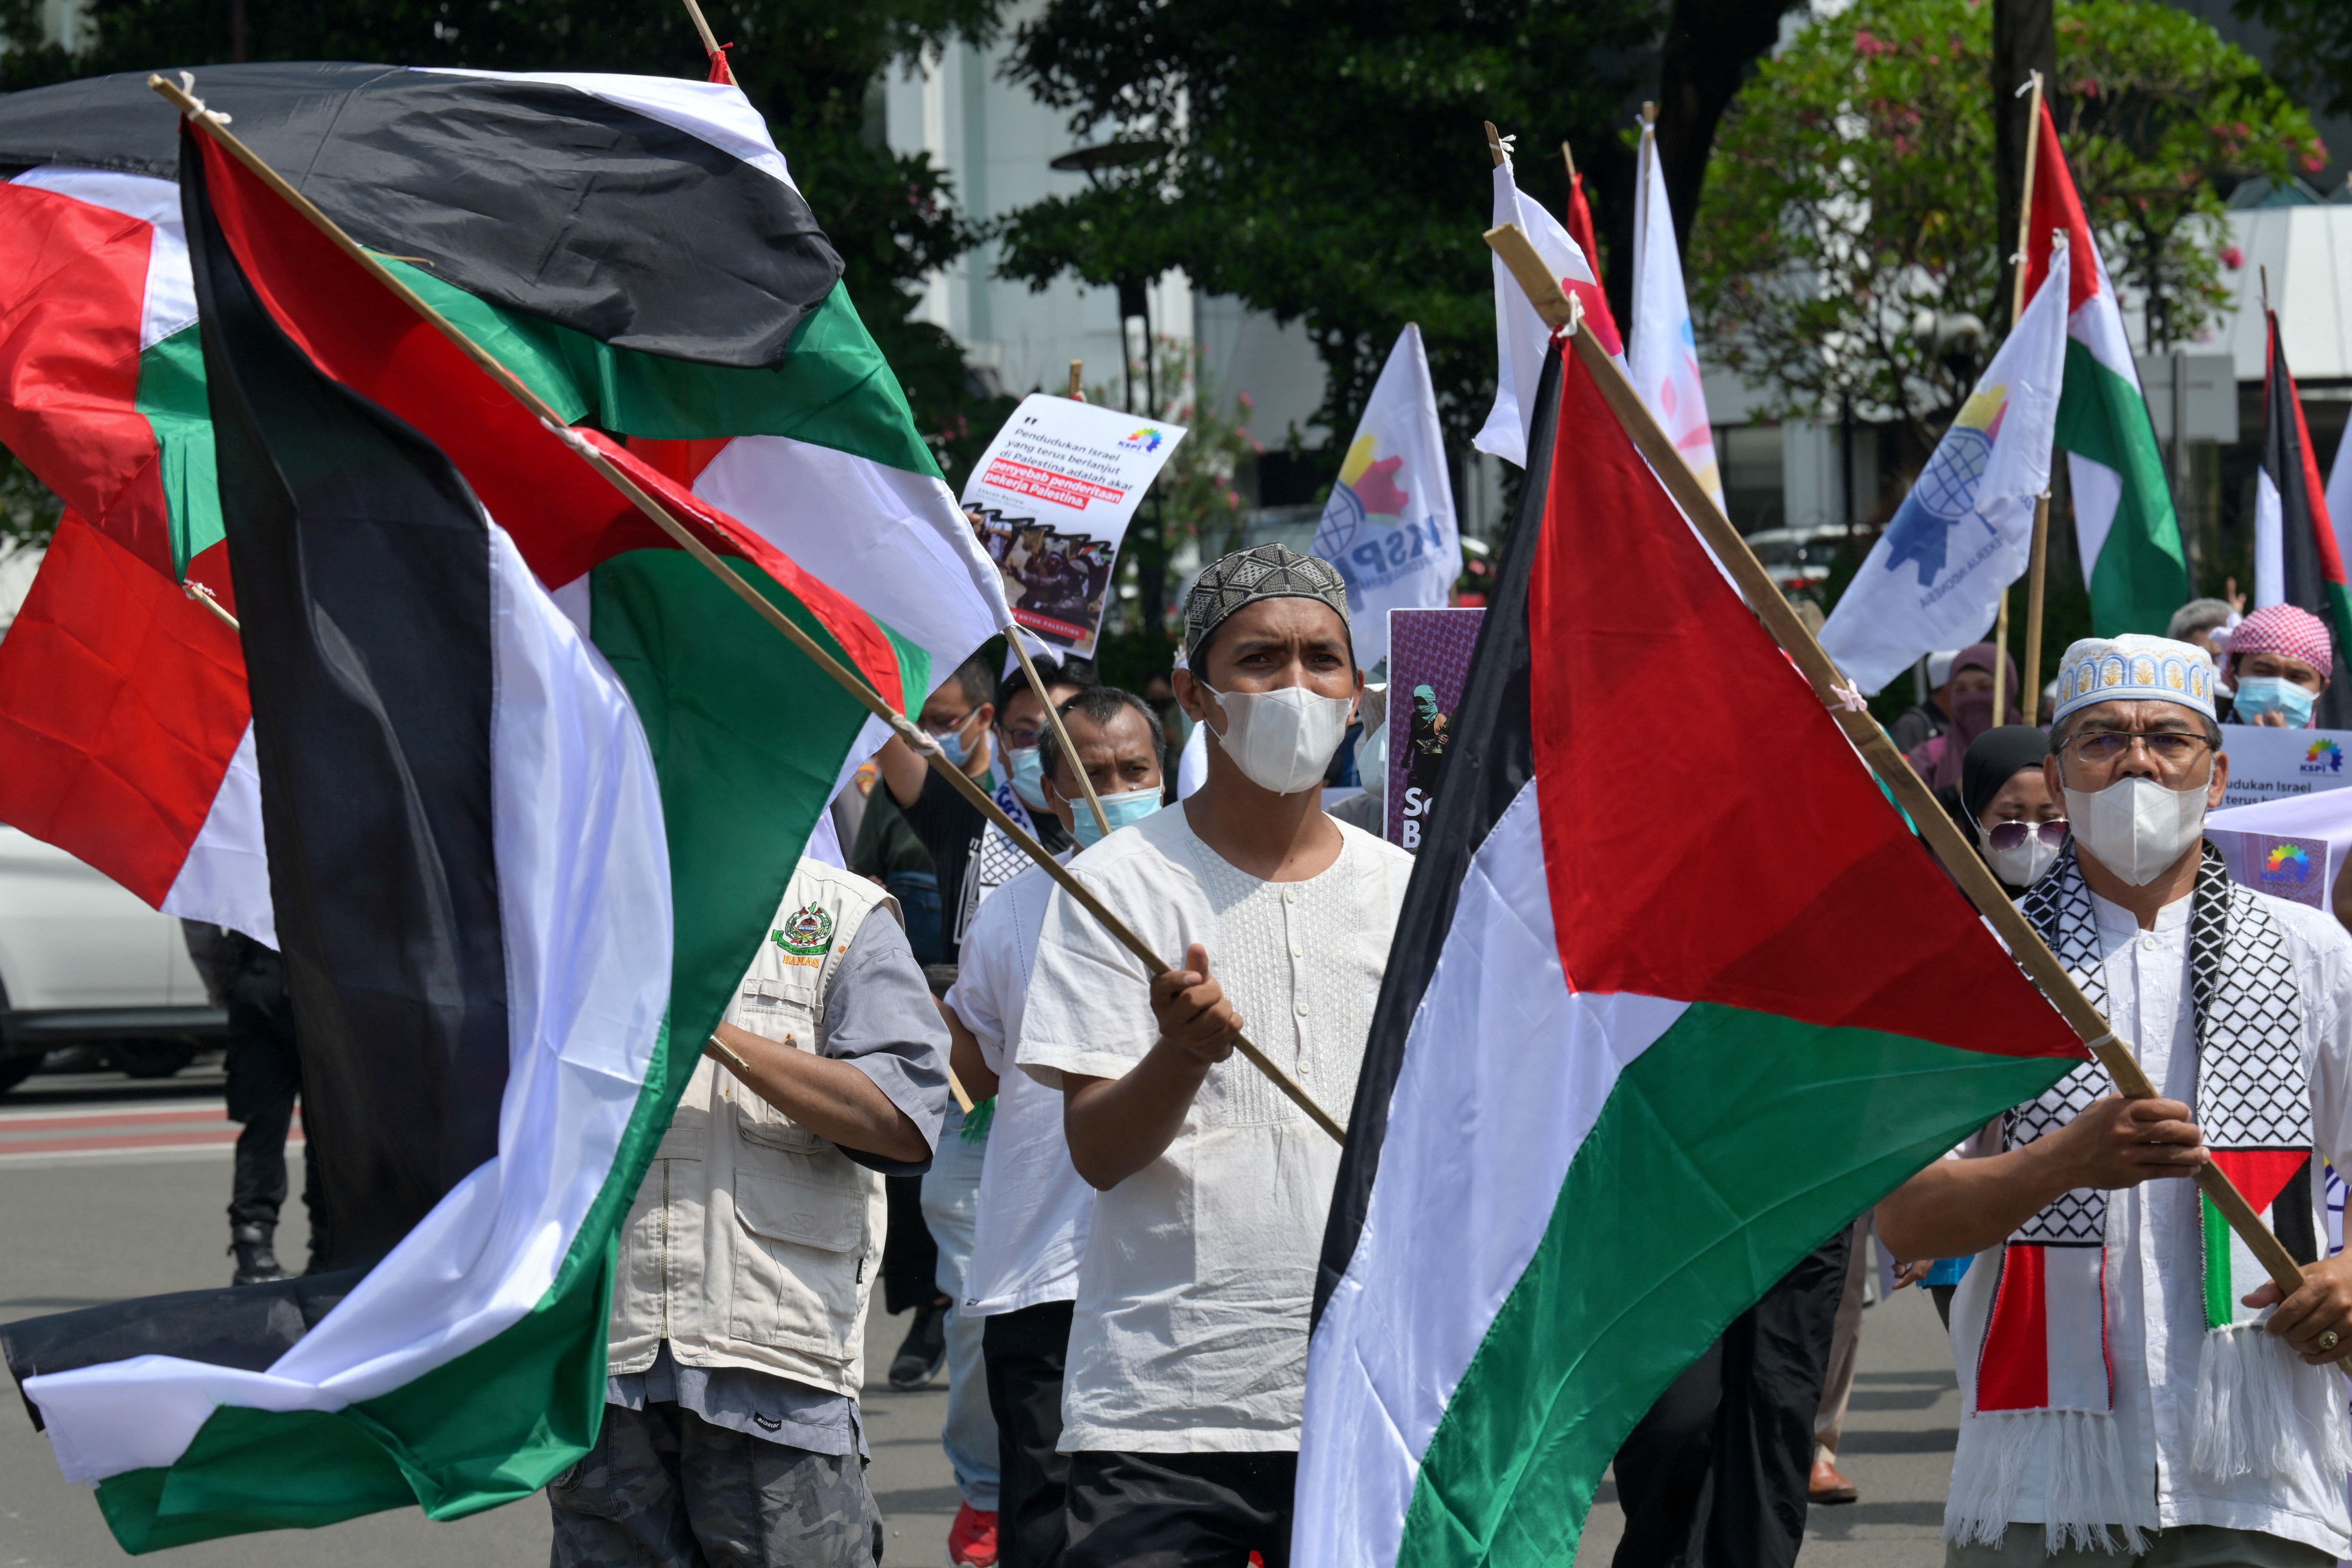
{"type": "Point", "coordinates": [1798, 558]}
{"type": "Point", "coordinates": [83, 961]}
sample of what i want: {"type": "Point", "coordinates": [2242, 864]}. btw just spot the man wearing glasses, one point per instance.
{"type": "Point", "coordinates": [2131, 1383]}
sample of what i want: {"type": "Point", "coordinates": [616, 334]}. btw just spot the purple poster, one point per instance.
{"type": "Point", "coordinates": [1429, 660]}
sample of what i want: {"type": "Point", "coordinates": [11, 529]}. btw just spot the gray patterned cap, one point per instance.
{"type": "Point", "coordinates": [1261, 572]}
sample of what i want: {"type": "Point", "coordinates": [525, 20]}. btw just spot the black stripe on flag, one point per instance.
{"type": "Point", "coordinates": [362, 570]}
{"type": "Point", "coordinates": [533, 195]}
{"type": "Point", "coordinates": [1489, 761]}
{"type": "Point", "coordinates": [2306, 580]}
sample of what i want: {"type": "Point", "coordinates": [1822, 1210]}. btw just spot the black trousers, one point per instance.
{"type": "Point", "coordinates": [1714, 1475]}
{"type": "Point", "coordinates": [1179, 1511]}
{"type": "Point", "coordinates": [264, 1078]}
{"type": "Point", "coordinates": [1024, 1351]}
{"type": "Point", "coordinates": [910, 1259]}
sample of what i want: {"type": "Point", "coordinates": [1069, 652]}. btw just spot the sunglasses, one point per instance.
{"type": "Point", "coordinates": [2009, 834]}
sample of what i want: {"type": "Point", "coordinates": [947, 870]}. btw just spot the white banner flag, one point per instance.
{"type": "Point", "coordinates": [1934, 577]}
{"type": "Point", "coordinates": [1662, 357]}
{"type": "Point", "coordinates": [1520, 335]}
{"type": "Point", "coordinates": [1389, 526]}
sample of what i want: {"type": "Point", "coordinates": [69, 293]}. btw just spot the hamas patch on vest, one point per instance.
{"type": "Point", "coordinates": [806, 933]}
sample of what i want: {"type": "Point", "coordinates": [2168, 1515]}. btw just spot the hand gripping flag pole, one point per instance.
{"type": "Point", "coordinates": [210, 123]}
{"type": "Point", "coordinates": [1934, 826]}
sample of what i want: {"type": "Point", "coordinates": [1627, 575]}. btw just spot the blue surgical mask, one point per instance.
{"type": "Point", "coordinates": [2261, 694]}
{"type": "Point", "coordinates": [1124, 810]}
{"type": "Point", "coordinates": [1028, 775]}
{"type": "Point", "coordinates": [951, 744]}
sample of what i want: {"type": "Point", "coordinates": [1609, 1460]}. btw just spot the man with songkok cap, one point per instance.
{"type": "Point", "coordinates": [2279, 659]}
{"type": "Point", "coordinates": [2130, 1381]}
{"type": "Point", "coordinates": [1187, 1361]}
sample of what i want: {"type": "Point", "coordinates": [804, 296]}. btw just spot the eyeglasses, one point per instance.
{"type": "Point", "coordinates": [2172, 749]}
{"type": "Point", "coordinates": [1026, 736]}
{"type": "Point", "coordinates": [950, 726]}
{"type": "Point", "coordinates": [2010, 834]}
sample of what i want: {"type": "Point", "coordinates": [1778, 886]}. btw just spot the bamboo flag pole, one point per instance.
{"type": "Point", "coordinates": [1077, 367]}
{"type": "Point", "coordinates": [2038, 570]}
{"type": "Point", "coordinates": [1054, 717]}
{"type": "Point", "coordinates": [1495, 143]}
{"type": "Point", "coordinates": [1569, 158]}
{"type": "Point", "coordinates": [849, 681]}
{"type": "Point", "coordinates": [1933, 823]}
{"type": "Point", "coordinates": [709, 39]}
{"type": "Point", "coordinates": [2000, 659]}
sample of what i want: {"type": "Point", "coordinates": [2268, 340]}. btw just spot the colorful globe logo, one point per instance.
{"type": "Point", "coordinates": [1947, 488]}
{"type": "Point", "coordinates": [2288, 863]}
{"type": "Point", "coordinates": [2328, 754]}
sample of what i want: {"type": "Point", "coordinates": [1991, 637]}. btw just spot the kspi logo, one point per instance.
{"type": "Point", "coordinates": [2325, 757]}
{"type": "Point", "coordinates": [2287, 865]}
{"type": "Point", "coordinates": [1147, 439]}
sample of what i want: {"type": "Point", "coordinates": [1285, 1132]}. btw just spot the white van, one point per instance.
{"type": "Point", "coordinates": [82, 960]}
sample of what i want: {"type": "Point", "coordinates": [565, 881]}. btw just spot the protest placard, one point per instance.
{"type": "Point", "coordinates": [2294, 847]}
{"type": "Point", "coordinates": [1429, 658]}
{"type": "Point", "coordinates": [2273, 764]}
{"type": "Point", "coordinates": [1051, 500]}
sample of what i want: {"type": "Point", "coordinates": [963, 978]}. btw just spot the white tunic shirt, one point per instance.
{"type": "Point", "coordinates": [1034, 1204]}
{"type": "Point", "coordinates": [1190, 1327]}
{"type": "Point", "coordinates": [2156, 1315]}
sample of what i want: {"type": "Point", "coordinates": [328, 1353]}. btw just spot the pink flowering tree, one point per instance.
{"type": "Point", "coordinates": [1848, 227]}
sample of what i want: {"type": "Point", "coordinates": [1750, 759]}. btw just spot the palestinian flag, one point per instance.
{"type": "Point", "coordinates": [2133, 560]}
{"type": "Point", "coordinates": [633, 246]}
{"type": "Point", "coordinates": [533, 781]}
{"type": "Point", "coordinates": [1654, 1093]}
{"type": "Point", "coordinates": [2297, 560]}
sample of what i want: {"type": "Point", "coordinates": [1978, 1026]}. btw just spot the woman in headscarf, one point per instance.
{"type": "Point", "coordinates": [1938, 760]}
{"type": "Point", "coordinates": [2007, 807]}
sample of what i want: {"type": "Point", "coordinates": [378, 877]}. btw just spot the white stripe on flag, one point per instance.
{"type": "Point", "coordinates": [2076, 1327]}
{"type": "Point", "coordinates": [718, 113]}
{"type": "Point", "coordinates": [584, 903]}
{"type": "Point", "coordinates": [2098, 491]}
{"type": "Point", "coordinates": [2270, 543]}
{"type": "Point", "coordinates": [224, 880]}
{"type": "Point", "coordinates": [895, 543]}
{"type": "Point", "coordinates": [1507, 1072]}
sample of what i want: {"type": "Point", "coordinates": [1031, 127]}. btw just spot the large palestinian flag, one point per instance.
{"type": "Point", "coordinates": [1661, 1024]}
{"type": "Point", "coordinates": [2133, 560]}
{"type": "Point", "coordinates": [532, 784]}
{"type": "Point", "coordinates": [633, 246]}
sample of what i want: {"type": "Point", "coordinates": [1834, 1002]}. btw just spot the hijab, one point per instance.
{"type": "Point", "coordinates": [1996, 757]}
{"type": "Point", "coordinates": [1940, 760]}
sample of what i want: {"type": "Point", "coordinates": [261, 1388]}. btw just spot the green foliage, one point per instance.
{"type": "Point", "coordinates": [1852, 190]}
{"type": "Point", "coordinates": [2317, 56]}
{"type": "Point", "coordinates": [810, 66]}
{"type": "Point", "coordinates": [28, 511]}
{"type": "Point", "coordinates": [1323, 163]}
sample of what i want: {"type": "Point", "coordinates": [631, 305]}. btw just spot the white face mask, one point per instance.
{"type": "Point", "coordinates": [2136, 828]}
{"type": "Point", "coordinates": [1281, 740]}
{"type": "Point", "coordinates": [2022, 865]}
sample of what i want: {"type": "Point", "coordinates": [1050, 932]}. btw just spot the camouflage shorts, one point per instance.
{"type": "Point", "coordinates": [665, 1489]}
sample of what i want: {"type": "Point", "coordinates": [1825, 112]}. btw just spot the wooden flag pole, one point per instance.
{"type": "Point", "coordinates": [2037, 571]}
{"type": "Point", "coordinates": [710, 39]}
{"type": "Point", "coordinates": [1076, 392]}
{"type": "Point", "coordinates": [850, 681]}
{"type": "Point", "coordinates": [2000, 659]}
{"type": "Point", "coordinates": [1933, 823]}
{"type": "Point", "coordinates": [1495, 143]}
{"type": "Point", "coordinates": [1569, 158]}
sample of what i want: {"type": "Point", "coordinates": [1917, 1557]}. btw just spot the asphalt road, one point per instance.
{"type": "Point", "coordinates": [80, 1225]}
{"type": "Point", "coordinates": [109, 1189]}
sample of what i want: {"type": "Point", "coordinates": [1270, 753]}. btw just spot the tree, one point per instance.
{"type": "Point", "coordinates": [1325, 164]}
{"type": "Point", "coordinates": [1850, 229]}
{"type": "Point", "coordinates": [2318, 59]}
{"type": "Point", "coordinates": [810, 66]}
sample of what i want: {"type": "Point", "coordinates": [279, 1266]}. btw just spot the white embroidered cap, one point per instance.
{"type": "Point", "coordinates": [2132, 667]}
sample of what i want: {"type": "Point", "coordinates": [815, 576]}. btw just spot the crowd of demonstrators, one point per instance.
{"type": "Point", "coordinates": [918, 831]}
{"type": "Point", "coordinates": [2132, 1395]}
{"type": "Point", "coordinates": [731, 1430]}
{"type": "Point", "coordinates": [1186, 1364]}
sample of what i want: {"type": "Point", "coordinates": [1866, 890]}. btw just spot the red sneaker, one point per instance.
{"type": "Point", "coordinates": [972, 1540]}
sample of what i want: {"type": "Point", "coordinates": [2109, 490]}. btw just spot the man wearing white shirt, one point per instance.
{"type": "Point", "coordinates": [1033, 1207]}
{"type": "Point", "coordinates": [1188, 1354]}
{"type": "Point", "coordinates": [2126, 1386]}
